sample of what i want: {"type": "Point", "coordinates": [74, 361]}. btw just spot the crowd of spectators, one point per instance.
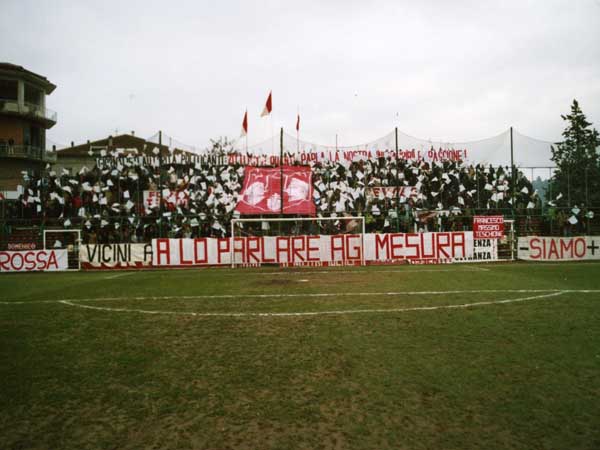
{"type": "Point", "coordinates": [109, 204]}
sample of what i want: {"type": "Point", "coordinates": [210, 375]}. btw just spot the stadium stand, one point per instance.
{"type": "Point", "coordinates": [100, 198]}
{"type": "Point", "coordinates": [119, 199]}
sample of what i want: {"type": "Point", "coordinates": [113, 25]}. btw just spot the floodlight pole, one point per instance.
{"type": "Point", "coordinates": [160, 204]}
{"type": "Point", "coordinates": [231, 244]}
{"type": "Point", "coordinates": [281, 169]}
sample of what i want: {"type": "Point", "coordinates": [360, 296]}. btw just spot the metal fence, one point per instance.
{"type": "Point", "coordinates": [554, 223]}
{"type": "Point", "coordinates": [548, 216]}
{"type": "Point", "coordinates": [26, 152]}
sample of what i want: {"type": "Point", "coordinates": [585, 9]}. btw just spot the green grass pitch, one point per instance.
{"type": "Point", "coordinates": [388, 357]}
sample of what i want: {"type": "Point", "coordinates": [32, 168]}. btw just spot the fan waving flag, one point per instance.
{"type": "Point", "coordinates": [268, 106]}
{"type": "Point", "coordinates": [245, 124]}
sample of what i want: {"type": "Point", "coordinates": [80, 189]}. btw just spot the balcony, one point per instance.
{"type": "Point", "coordinates": [27, 152]}
{"type": "Point", "coordinates": [29, 110]}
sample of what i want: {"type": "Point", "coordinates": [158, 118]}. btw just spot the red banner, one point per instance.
{"type": "Point", "coordinates": [172, 199]}
{"type": "Point", "coordinates": [392, 191]}
{"type": "Point", "coordinates": [261, 193]}
{"type": "Point", "coordinates": [488, 227]}
{"type": "Point", "coordinates": [151, 199]}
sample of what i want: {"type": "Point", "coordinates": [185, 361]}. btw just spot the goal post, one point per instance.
{"type": "Point", "coordinates": [297, 226]}
{"type": "Point", "coordinates": [510, 237]}
{"type": "Point", "coordinates": [64, 239]}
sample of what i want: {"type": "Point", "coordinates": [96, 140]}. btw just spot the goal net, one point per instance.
{"type": "Point", "coordinates": [69, 240]}
{"type": "Point", "coordinates": [298, 241]}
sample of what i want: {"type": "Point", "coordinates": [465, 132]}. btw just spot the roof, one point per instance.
{"type": "Point", "coordinates": [21, 72]}
{"type": "Point", "coordinates": [121, 141]}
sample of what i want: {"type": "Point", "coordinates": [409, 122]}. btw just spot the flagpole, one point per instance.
{"type": "Point", "coordinates": [281, 167]}
{"type": "Point", "coordinates": [271, 121]}
{"type": "Point", "coordinates": [397, 184]}
{"type": "Point", "coordinates": [272, 134]}
{"type": "Point", "coordinates": [160, 185]}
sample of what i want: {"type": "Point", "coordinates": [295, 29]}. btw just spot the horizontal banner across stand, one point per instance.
{"type": "Point", "coordinates": [325, 250]}
{"type": "Point", "coordinates": [581, 248]}
{"type": "Point", "coordinates": [319, 250]}
{"type": "Point", "coordinates": [34, 260]}
{"type": "Point", "coordinates": [115, 256]}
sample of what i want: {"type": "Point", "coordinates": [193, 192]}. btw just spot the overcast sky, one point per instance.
{"type": "Point", "coordinates": [451, 70]}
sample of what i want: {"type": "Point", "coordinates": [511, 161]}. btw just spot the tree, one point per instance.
{"type": "Point", "coordinates": [577, 160]}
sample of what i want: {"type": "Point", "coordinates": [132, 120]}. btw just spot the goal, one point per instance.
{"type": "Point", "coordinates": [297, 241]}
{"type": "Point", "coordinates": [510, 237]}
{"type": "Point", "coordinates": [65, 239]}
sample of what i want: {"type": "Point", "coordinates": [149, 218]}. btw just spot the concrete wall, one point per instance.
{"type": "Point", "coordinates": [10, 172]}
{"type": "Point", "coordinates": [11, 127]}
{"type": "Point", "coordinates": [73, 163]}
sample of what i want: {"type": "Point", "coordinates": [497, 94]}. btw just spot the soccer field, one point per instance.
{"type": "Point", "coordinates": [489, 356]}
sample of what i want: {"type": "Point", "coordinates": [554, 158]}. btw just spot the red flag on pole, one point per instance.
{"type": "Point", "coordinates": [298, 123]}
{"type": "Point", "coordinates": [245, 124]}
{"type": "Point", "coordinates": [268, 106]}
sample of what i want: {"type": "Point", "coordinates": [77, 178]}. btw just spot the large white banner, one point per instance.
{"type": "Point", "coordinates": [115, 256]}
{"type": "Point", "coordinates": [34, 260]}
{"type": "Point", "coordinates": [325, 250]}
{"type": "Point", "coordinates": [581, 248]}
{"type": "Point", "coordinates": [344, 249]}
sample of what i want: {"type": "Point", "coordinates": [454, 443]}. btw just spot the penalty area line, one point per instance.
{"type": "Point", "coordinates": [119, 275]}
{"type": "Point", "coordinates": [359, 271]}
{"type": "Point", "coordinates": [303, 295]}
{"type": "Point", "coordinates": [317, 313]}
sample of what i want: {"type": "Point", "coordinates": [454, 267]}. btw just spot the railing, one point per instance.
{"type": "Point", "coordinates": [29, 109]}
{"type": "Point", "coordinates": [524, 225]}
{"type": "Point", "coordinates": [27, 152]}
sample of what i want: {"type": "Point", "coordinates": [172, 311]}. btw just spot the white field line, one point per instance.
{"type": "Point", "coordinates": [410, 269]}
{"type": "Point", "coordinates": [317, 313]}
{"type": "Point", "coordinates": [357, 270]}
{"type": "Point", "coordinates": [332, 271]}
{"type": "Point", "coordinates": [119, 275]}
{"type": "Point", "coordinates": [305, 295]}
{"type": "Point", "coordinates": [480, 269]}
{"type": "Point", "coordinates": [464, 267]}
{"type": "Point", "coordinates": [574, 263]}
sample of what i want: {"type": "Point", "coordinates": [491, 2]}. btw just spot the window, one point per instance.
{"type": "Point", "coordinates": [33, 95]}
{"type": "Point", "coordinates": [34, 136]}
{"type": "Point", "coordinates": [8, 90]}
